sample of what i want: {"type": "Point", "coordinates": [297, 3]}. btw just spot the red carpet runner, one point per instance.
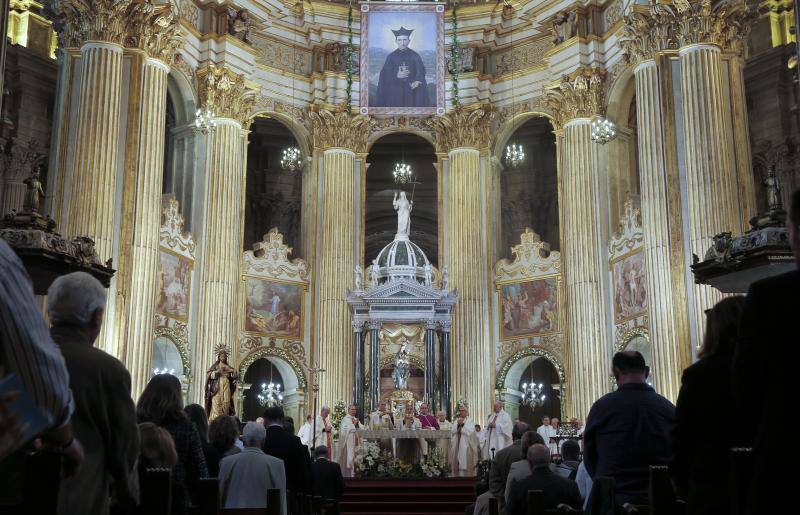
{"type": "Point", "coordinates": [400, 496]}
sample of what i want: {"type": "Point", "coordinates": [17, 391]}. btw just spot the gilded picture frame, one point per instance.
{"type": "Point", "coordinates": [384, 58]}
{"type": "Point", "coordinates": [282, 318]}
{"type": "Point", "coordinates": [167, 283]}
{"type": "Point", "coordinates": [519, 319]}
{"type": "Point", "coordinates": [630, 294]}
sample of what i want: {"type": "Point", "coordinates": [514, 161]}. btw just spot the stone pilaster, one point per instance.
{"type": "Point", "coordinates": [574, 105]}
{"type": "Point", "coordinates": [464, 134]}
{"type": "Point", "coordinates": [338, 136]}
{"type": "Point", "coordinates": [230, 101]}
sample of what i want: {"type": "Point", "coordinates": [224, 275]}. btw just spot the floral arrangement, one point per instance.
{"type": "Point", "coordinates": [339, 411]}
{"type": "Point", "coordinates": [371, 461]}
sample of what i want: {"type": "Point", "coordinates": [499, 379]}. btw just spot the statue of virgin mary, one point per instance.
{"type": "Point", "coordinates": [403, 207]}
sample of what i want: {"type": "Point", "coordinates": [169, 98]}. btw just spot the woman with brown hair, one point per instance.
{"type": "Point", "coordinates": [701, 464]}
{"type": "Point", "coordinates": [157, 450]}
{"type": "Point", "coordinates": [161, 403]}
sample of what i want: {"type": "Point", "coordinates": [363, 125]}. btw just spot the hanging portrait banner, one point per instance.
{"type": "Point", "coordinates": [402, 59]}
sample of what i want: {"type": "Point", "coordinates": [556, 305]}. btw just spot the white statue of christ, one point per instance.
{"type": "Point", "coordinates": [403, 207]}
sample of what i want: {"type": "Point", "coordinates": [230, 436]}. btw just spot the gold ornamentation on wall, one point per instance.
{"type": "Point", "coordinates": [270, 257]}
{"type": "Point", "coordinates": [392, 335]}
{"type": "Point", "coordinates": [658, 27]}
{"type": "Point", "coordinates": [225, 93]}
{"type": "Point", "coordinates": [80, 21]}
{"type": "Point", "coordinates": [578, 97]}
{"type": "Point", "coordinates": [464, 128]}
{"type": "Point", "coordinates": [339, 129]}
{"type": "Point", "coordinates": [154, 29]}
{"type": "Point", "coordinates": [532, 258]}
{"type": "Point", "coordinates": [524, 57]}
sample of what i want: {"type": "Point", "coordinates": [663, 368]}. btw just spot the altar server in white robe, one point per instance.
{"type": "Point", "coordinates": [348, 440]}
{"type": "Point", "coordinates": [305, 431]}
{"type": "Point", "coordinates": [323, 429]}
{"type": "Point", "coordinates": [463, 444]}
{"type": "Point", "coordinates": [498, 430]}
{"type": "Point", "coordinates": [546, 430]}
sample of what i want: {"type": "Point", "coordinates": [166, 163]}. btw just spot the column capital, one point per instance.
{"type": "Point", "coordinates": [154, 29]}
{"type": "Point", "coordinates": [374, 325]}
{"type": "Point", "coordinates": [580, 96]}
{"type": "Point", "coordinates": [339, 128]}
{"type": "Point", "coordinates": [358, 326]}
{"type": "Point", "coordinates": [658, 27]}
{"type": "Point", "coordinates": [431, 325]}
{"type": "Point", "coordinates": [464, 127]}
{"type": "Point", "coordinates": [78, 22]}
{"type": "Point", "coordinates": [225, 93]}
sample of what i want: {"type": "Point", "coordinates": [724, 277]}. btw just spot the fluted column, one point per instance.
{"type": "Point", "coordinates": [374, 365]}
{"type": "Point", "coordinates": [358, 358]}
{"type": "Point", "coordinates": [665, 269]}
{"type": "Point", "coordinates": [226, 96]}
{"type": "Point", "coordinates": [585, 264]}
{"type": "Point", "coordinates": [444, 371]}
{"type": "Point", "coordinates": [430, 365]}
{"type": "Point", "coordinates": [463, 134]}
{"type": "Point", "coordinates": [339, 136]}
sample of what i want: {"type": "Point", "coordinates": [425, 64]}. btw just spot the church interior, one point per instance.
{"type": "Point", "coordinates": [448, 202]}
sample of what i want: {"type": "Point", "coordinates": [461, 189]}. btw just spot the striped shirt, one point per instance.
{"type": "Point", "coordinates": [27, 348]}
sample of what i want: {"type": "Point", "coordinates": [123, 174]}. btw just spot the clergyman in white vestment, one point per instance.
{"type": "Point", "coordinates": [498, 430]}
{"type": "Point", "coordinates": [322, 429]}
{"type": "Point", "coordinates": [463, 445]}
{"type": "Point", "coordinates": [305, 431]}
{"type": "Point", "coordinates": [348, 440]}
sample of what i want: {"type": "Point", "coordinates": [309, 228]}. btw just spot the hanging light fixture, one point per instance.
{"type": "Point", "coordinates": [159, 371]}
{"type": "Point", "coordinates": [204, 121]}
{"type": "Point", "coordinates": [270, 394]}
{"type": "Point", "coordinates": [603, 130]}
{"type": "Point", "coordinates": [292, 159]}
{"type": "Point", "coordinates": [402, 173]}
{"type": "Point", "coordinates": [514, 155]}
{"type": "Point", "coordinates": [533, 394]}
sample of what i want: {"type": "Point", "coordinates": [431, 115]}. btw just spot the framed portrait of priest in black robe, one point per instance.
{"type": "Point", "coordinates": [402, 58]}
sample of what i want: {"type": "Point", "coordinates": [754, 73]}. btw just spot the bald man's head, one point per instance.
{"type": "Point", "coordinates": [538, 456]}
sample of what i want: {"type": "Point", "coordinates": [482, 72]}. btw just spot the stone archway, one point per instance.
{"type": "Point", "coordinates": [294, 380]}
{"type": "Point", "coordinates": [510, 376]}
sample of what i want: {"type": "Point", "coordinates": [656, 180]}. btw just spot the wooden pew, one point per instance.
{"type": "Point", "coordinates": [155, 491]}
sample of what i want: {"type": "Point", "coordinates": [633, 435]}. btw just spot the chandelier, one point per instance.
{"type": "Point", "coordinates": [402, 173]}
{"type": "Point", "coordinates": [533, 394]}
{"type": "Point", "coordinates": [514, 155]}
{"type": "Point", "coordinates": [603, 130]}
{"type": "Point", "coordinates": [270, 394]}
{"type": "Point", "coordinates": [159, 371]}
{"type": "Point", "coordinates": [292, 160]}
{"type": "Point", "coordinates": [204, 121]}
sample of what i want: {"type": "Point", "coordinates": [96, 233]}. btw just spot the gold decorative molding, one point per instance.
{"type": "Point", "coordinates": [658, 27]}
{"type": "Point", "coordinates": [270, 257]}
{"type": "Point", "coordinates": [154, 29]}
{"type": "Point", "coordinates": [629, 236]}
{"type": "Point", "coordinates": [578, 97]}
{"type": "Point", "coordinates": [532, 258]}
{"type": "Point", "coordinates": [464, 127]}
{"type": "Point", "coordinates": [225, 93]}
{"type": "Point", "coordinates": [339, 128]}
{"type": "Point", "coordinates": [80, 21]}
{"type": "Point", "coordinates": [172, 234]}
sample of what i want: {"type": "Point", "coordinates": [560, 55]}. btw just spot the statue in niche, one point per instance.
{"type": "Point", "coordinates": [402, 366]}
{"type": "Point", "coordinates": [403, 207]}
{"type": "Point", "coordinates": [240, 24]}
{"type": "Point", "coordinates": [357, 273]}
{"type": "Point", "coordinates": [221, 383]}
{"type": "Point", "coordinates": [773, 187]}
{"type": "Point", "coordinates": [33, 192]}
{"type": "Point", "coordinates": [564, 26]}
{"type": "Point", "coordinates": [428, 274]}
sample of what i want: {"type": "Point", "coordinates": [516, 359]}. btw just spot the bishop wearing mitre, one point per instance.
{"type": "Point", "coordinates": [348, 440]}
{"type": "Point", "coordinates": [463, 444]}
{"type": "Point", "coordinates": [498, 430]}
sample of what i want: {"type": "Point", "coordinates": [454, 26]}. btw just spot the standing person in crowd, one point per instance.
{"type": "Point", "coordinates": [323, 429]}
{"type": "Point", "coordinates": [463, 444]}
{"type": "Point", "coordinates": [244, 478]}
{"type": "Point", "coordinates": [104, 418]}
{"type": "Point", "coordinates": [29, 352]}
{"type": "Point", "coordinates": [498, 430]}
{"type": "Point", "coordinates": [769, 318]}
{"type": "Point", "coordinates": [197, 414]}
{"type": "Point", "coordinates": [295, 457]}
{"type": "Point", "coordinates": [304, 434]}
{"type": "Point", "coordinates": [157, 450]}
{"type": "Point", "coordinates": [545, 430]}
{"type": "Point", "coordinates": [498, 473]}
{"type": "Point", "coordinates": [571, 459]}
{"type": "Point", "coordinates": [223, 433]}
{"type": "Point", "coordinates": [161, 403]}
{"type": "Point", "coordinates": [288, 425]}
{"type": "Point", "coordinates": [444, 424]}
{"type": "Point", "coordinates": [328, 481]}
{"type": "Point", "coordinates": [628, 430]}
{"type": "Point", "coordinates": [555, 489]}
{"type": "Point", "coordinates": [521, 469]}
{"type": "Point", "coordinates": [701, 467]}
{"type": "Point", "coordinates": [427, 420]}
{"type": "Point", "coordinates": [348, 440]}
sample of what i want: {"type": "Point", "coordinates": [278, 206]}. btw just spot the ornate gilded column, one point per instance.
{"type": "Point", "coordinates": [464, 134]}
{"type": "Point", "coordinates": [338, 135]}
{"type": "Point", "coordinates": [660, 206]}
{"type": "Point", "coordinates": [574, 104]}
{"type": "Point", "coordinates": [153, 34]}
{"type": "Point", "coordinates": [227, 97]}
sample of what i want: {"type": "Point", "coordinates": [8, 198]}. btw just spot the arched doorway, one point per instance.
{"type": "Point", "coordinates": [532, 364]}
{"type": "Point", "coordinates": [262, 371]}
{"type": "Point", "coordinates": [541, 371]}
{"type": "Point", "coordinates": [380, 220]}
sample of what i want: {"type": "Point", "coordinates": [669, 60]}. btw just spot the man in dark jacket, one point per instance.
{"type": "Point", "coordinates": [555, 489]}
{"type": "Point", "coordinates": [105, 417]}
{"type": "Point", "coordinates": [294, 454]}
{"type": "Point", "coordinates": [327, 478]}
{"type": "Point", "coordinates": [498, 473]}
{"type": "Point", "coordinates": [628, 430]}
{"type": "Point", "coordinates": [768, 349]}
